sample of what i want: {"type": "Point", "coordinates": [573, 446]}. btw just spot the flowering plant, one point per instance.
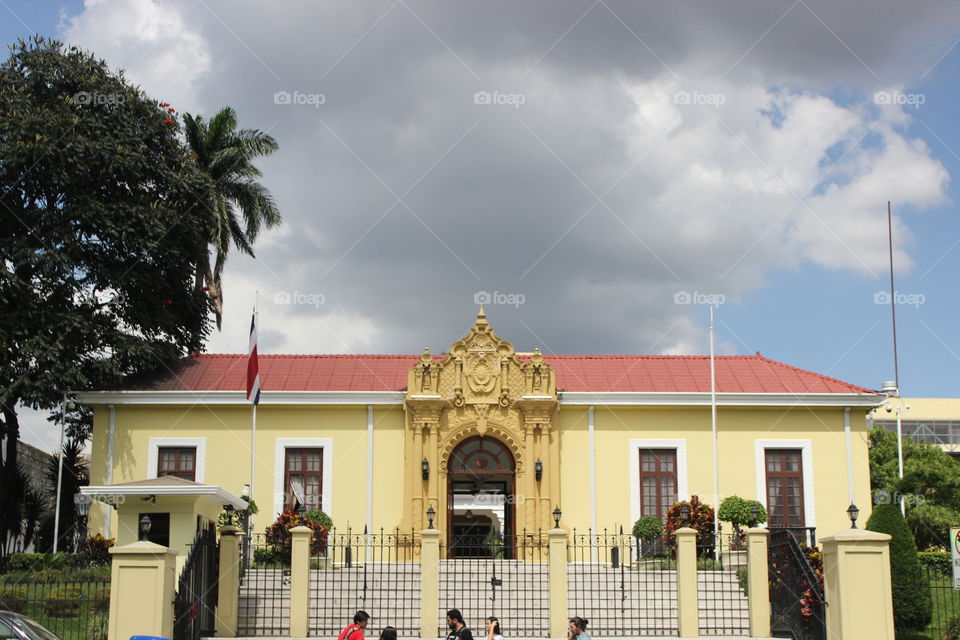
{"type": "Point", "coordinates": [278, 534]}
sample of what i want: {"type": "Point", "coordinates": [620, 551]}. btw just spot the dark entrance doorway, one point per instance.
{"type": "Point", "coordinates": [480, 499]}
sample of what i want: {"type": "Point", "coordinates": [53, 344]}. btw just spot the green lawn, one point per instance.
{"type": "Point", "coordinates": [946, 604]}
{"type": "Point", "coordinates": [64, 603]}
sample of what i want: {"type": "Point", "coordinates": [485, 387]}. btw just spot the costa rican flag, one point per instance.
{"type": "Point", "coordinates": [253, 367]}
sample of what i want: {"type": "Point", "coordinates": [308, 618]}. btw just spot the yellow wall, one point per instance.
{"type": "Point", "coordinates": [227, 433]}
{"type": "Point", "coordinates": [738, 430]}
{"type": "Point", "coordinates": [922, 409]}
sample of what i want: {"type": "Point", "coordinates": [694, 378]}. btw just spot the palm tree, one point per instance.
{"type": "Point", "coordinates": [238, 205]}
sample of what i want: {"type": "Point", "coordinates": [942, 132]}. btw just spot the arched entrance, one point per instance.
{"type": "Point", "coordinates": [481, 476]}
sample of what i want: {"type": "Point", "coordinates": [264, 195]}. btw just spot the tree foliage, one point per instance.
{"type": "Point", "coordinates": [739, 512]}
{"type": "Point", "coordinates": [647, 528]}
{"type": "Point", "coordinates": [930, 487]}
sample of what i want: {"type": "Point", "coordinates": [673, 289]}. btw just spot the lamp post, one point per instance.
{"type": "Point", "coordinates": [64, 406]}
{"type": "Point", "coordinates": [82, 505]}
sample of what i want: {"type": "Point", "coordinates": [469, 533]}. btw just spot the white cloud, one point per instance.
{"type": "Point", "coordinates": [151, 40]}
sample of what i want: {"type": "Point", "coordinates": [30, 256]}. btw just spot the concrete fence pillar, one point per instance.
{"type": "Point", "coordinates": [228, 582]}
{"type": "Point", "coordinates": [300, 581]}
{"type": "Point", "coordinates": [857, 587]}
{"type": "Point", "coordinates": [429, 582]}
{"type": "Point", "coordinates": [143, 584]}
{"type": "Point", "coordinates": [558, 582]}
{"type": "Point", "coordinates": [688, 619]}
{"type": "Point", "coordinates": [758, 590]}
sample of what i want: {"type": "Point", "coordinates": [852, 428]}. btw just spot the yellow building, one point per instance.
{"type": "Point", "coordinates": [491, 439]}
{"type": "Point", "coordinates": [931, 420]}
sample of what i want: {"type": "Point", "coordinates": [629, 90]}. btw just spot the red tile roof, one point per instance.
{"type": "Point", "coordinates": [596, 373]}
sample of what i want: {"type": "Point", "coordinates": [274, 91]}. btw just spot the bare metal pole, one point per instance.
{"type": "Point", "coordinates": [56, 514]}
{"type": "Point", "coordinates": [713, 428]}
{"type": "Point", "coordinates": [896, 362]}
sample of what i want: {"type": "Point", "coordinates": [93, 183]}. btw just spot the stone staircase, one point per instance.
{"type": "Point", "coordinates": [627, 603]}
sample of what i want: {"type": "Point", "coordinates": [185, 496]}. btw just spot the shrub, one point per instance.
{"type": "Point", "coordinates": [42, 561]}
{"type": "Point", "coordinates": [912, 608]}
{"type": "Point", "coordinates": [62, 602]}
{"type": "Point", "coordinates": [269, 557]}
{"type": "Point", "coordinates": [98, 626]}
{"type": "Point", "coordinates": [937, 561]}
{"type": "Point", "coordinates": [952, 630]}
{"type": "Point", "coordinates": [14, 599]}
{"type": "Point", "coordinates": [701, 519]}
{"type": "Point", "coordinates": [647, 528]}
{"type": "Point", "coordinates": [742, 578]}
{"type": "Point", "coordinates": [319, 517]}
{"type": "Point", "coordinates": [100, 602]}
{"type": "Point", "coordinates": [97, 551]}
{"type": "Point", "coordinates": [739, 512]}
{"type": "Point", "coordinates": [278, 534]}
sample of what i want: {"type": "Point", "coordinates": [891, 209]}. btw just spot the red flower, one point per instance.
{"type": "Point", "coordinates": [168, 121]}
{"type": "Point", "coordinates": [171, 110]}
{"type": "Point", "coordinates": [168, 302]}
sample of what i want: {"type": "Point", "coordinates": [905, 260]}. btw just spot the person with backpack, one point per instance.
{"type": "Point", "coordinates": [355, 631]}
{"type": "Point", "coordinates": [458, 628]}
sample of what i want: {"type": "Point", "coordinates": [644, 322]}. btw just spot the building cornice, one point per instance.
{"type": "Point", "coordinates": [630, 398]}
{"type": "Point", "coordinates": [240, 397]}
{"type": "Point", "coordinates": [611, 398]}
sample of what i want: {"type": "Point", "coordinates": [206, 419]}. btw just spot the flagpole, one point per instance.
{"type": "Point", "coordinates": [253, 425]}
{"type": "Point", "coordinates": [713, 426]}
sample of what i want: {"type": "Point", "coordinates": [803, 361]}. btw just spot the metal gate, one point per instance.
{"type": "Point", "coordinates": [797, 605]}
{"type": "Point", "coordinates": [506, 577]}
{"type": "Point", "coordinates": [622, 587]}
{"type": "Point", "coordinates": [195, 602]}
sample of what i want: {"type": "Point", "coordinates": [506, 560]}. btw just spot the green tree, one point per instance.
{"type": "Point", "coordinates": [100, 233]}
{"type": "Point", "coordinates": [930, 486]}
{"type": "Point", "coordinates": [912, 607]}
{"type": "Point", "coordinates": [237, 205]}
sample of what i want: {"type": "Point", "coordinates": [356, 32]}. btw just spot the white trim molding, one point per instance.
{"type": "Point", "coordinates": [806, 455]}
{"type": "Point", "coordinates": [240, 397]}
{"type": "Point", "coordinates": [628, 398]}
{"type": "Point", "coordinates": [282, 444]}
{"type": "Point", "coordinates": [153, 454]}
{"type": "Point", "coordinates": [636, 444]}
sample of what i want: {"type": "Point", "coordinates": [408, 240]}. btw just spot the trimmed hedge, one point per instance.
{"type": "Point", "coordinates": [912, 608]}
{"type": "Point", "coordinates": [41, 561]}
{"type": "Point", "coordinates": [937, 561]}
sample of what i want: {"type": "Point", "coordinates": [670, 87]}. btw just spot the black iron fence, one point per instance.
{"type": "Point", "coordinates": [502, 576]}
{"type": "Point", "coordinates": [621, 586]}
{"type": "Point", "coordinates": [805, 536]}
{"type": "Point", "coordinates": [927, 601]}
{"type": "Point", "coordinates": [797, 605]}
{"type": "Point", "coordinates": [195, 603]}
{"type": "Point", "coordinates": [376, 572]}
{"type": "Point", "coordinates": [263, 606]}
{"type": "Point", "coordinates": [73, 604]}
{"type": "Point", "coordinates": [721, 578]}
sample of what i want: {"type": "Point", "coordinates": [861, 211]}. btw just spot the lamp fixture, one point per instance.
{"type": "Point", "coordinates": [245, 492]}
{"type": "Point", "coordinates": [852, 513]}
{"type": "Point", "coordinates": [755, 514]}
{"type": "Point", "coordinates": [468, 514]}
{"type": "Point", "coordinates": [685, 515]}
{"type": "Point", "coordinates": [82, 504]}
{"type": "Point", "coordinates": [538, 469]}
{"type": "Point", "coordinates": [144, 526]}
{"type": "Point", "coordinates": [425, 468]}
{"type": "Point", "coordinates": [556, 517]}
{"type": "Point", "coordinates": [431, 513]}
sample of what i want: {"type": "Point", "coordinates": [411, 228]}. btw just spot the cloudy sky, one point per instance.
{"type": "Point", "coordinates": [599, 172]}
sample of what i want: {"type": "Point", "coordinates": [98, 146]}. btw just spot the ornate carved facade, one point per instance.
{"type": "Point", "coordinates": [482, 388]}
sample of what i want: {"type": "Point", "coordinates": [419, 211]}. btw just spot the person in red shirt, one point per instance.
{"type": "Point", "coordinates": [355, 631]}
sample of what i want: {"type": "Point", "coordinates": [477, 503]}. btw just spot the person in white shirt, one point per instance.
{"type": "Point", "coordinates": [492, 627]}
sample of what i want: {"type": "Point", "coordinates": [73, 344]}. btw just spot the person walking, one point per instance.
{"type": "Point", "coordinates": [578, 629]}
{"type": "Point", "coordinates": [355, 631]}
{"type": "Point", "coordinates": [458, 628]}
{"type": "Point", "coordinates": [388, 633]}
{"type": "Point", "coordinates": [492, 627]}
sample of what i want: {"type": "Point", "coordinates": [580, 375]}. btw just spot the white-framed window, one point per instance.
{"type": "Point", "coordinates": [200, 461]}
{"type": "Point", "coordinates": [782, 460]}
{"type": "Point", "coordinates": [639, 451]}
{"type": "Point", "coordinates": [305, 450]}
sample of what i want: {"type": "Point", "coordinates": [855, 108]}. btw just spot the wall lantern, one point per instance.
{"type": "Point", "coordinates": [425, 468]}
{"type": "Point", "coordinates": [144, 526]}
{"type": "Point", "coordinates": [853, 512]}
{"type": "Point", "coordinates": [538, 469]}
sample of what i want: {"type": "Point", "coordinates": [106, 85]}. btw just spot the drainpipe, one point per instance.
{"type": "Point", "coordinates": [370, 468]}
{"type": "Point", "coordinates": [593, 476]}
{"type": "Point", "coordinates": [111, 439]}
{"type": "Point", "coordinates": [846, 435]}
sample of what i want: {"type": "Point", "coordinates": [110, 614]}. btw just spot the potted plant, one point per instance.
{"type": "Point", "coordinates": [740, 513]}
